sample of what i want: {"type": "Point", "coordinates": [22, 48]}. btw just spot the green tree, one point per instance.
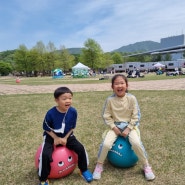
{"type": "Point", "coordinates": [77, 58]}
{"type": "Point", "coordinates": [168, 57]}
{"type": "Point", "coordinates": [50, 56]}
{"type": "Point", "coordinates": [156, 58]}
{"type": "Point", "coordinates": [106, 61]}
{"type": "Point", "coordinates": [41, 60]}
{"type": "Point", "coordinates": [66, 60]}
{"type": "Point", "coordinates": [32, 59]}
{"type": "Point", "coordinates": [117, 58]}
{"type": "Point", "coordinates": [147, 58]}
{"type": "Point", "coordinates": [21, 61]}
{"type": "Point", "coordinates": [92, 54]}
{"type": "Point", "coordinates": [5, 68]}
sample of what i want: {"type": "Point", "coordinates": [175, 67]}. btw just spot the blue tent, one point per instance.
{"type": "Point", "coordinates": [58, 73]}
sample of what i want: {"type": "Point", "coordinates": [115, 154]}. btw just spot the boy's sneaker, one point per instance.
{"type": "Point", "coordinates": [97, 172]}
{"type": "Point", "coordinates": [87, 175]}
{"type": "Point", "coordinates": [44, 182]}
{"type": "Point", "coordinates": [149, 175]}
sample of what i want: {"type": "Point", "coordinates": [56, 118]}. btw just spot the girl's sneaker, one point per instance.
{"type": "Point", "coordinates": [149, 175]}
{"type": "Point", "coordinates": [97, 172]}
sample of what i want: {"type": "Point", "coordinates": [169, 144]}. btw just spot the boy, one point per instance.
{"type": "Point", "coordinates": [58, 125]}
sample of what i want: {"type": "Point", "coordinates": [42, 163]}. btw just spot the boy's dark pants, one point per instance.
{"type": "Point", "coordinates": [72, 144]}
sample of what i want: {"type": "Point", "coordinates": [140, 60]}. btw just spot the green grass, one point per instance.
{"type": "Point", "coordinates": [162, 130]}
{"type": "Point", "coordinates": [70, 80]}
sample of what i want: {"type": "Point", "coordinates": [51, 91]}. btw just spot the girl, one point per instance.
{"type": "Point", "coordinates": [121, 113]}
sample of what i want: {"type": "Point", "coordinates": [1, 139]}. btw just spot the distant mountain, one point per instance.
{"type": "Point", "coordinates": [136, 47]}
{"type": "Point", "coordinates": [139, 47]}
{"type": "Point", "coordinates": [74, 50]}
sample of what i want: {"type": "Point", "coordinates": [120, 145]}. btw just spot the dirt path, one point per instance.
{"type": "Point", "coordinates": [170, 84]}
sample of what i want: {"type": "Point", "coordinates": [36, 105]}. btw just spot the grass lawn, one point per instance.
{"type": "Point", "coordinates": [162, 130]}
{"type": "Point", "coordinates": [70, 80]}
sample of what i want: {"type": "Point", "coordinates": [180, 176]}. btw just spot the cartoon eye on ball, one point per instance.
{"type": "Point", "coordinates": [61, 163]}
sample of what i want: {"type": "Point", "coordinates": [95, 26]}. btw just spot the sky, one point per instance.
{"type": "Point", "coordinates": [69, 23]}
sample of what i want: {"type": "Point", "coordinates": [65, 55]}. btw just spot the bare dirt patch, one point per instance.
{"type": "Point", "coordinates": [170, 84]}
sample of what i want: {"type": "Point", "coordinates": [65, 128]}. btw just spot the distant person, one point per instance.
{"type": "Point", "coordinates": [122, 115]}
{"type": "Point", "coordinates": [58, 125]}
{"type": "Point", "coordinates": [137, 73]}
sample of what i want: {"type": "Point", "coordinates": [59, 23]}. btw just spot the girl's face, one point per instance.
{"type": "Point", "coordinates": [64, 101]}
{"type": "Point", "coordinates": [119, 86]}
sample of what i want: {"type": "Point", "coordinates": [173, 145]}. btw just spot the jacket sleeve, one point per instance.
{"type": "Point", "coordinates": [136, 115]}
{"type": "Point", "coordinates": [47, 123]}
{"type": "Point", "coordinates": [75, 115]}
{"type": "Point", "coordinates": [107, 116]}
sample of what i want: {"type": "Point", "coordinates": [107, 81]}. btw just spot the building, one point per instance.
{"type": "Point", "coordinates": [173, 41]}
{"type": "Point", "coordinates": [175, 46]}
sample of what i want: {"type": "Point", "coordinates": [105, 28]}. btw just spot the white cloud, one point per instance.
{"type": "Point", "coordinates": [112, 23]}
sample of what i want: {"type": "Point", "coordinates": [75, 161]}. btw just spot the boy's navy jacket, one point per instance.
{"type": "Point", "coordinates": [60, 123]}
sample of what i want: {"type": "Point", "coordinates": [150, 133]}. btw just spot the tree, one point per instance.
{"type": "Point", "coordinates": [107, 61]}
{"type": "Point", "coordinates": [50, 47]}
{"type": "Point", "coordinates": [147, 58]}
{"type": "Point", "coordinates": [50, 56]}
{"type": "Point", "coordinates": [117, 58]}
{"type": "Point", "coordinates": [168, 57]}
{"type": "Point", "coordinates": [66, 60]}
{"type": "Point", "coordinates": [32, 59]}
{"type": "Point", "coordinates": [20, 57]}
{"type": "Point", "coordinates": [41, 49]}
{"type": "Point", "coordinates": [5, 68]}
{"type": "Point", "coordinates": [157, 57]}
{"type": "Point", "coordinates": [92, 54]}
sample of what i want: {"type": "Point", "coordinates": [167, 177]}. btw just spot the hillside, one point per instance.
{"type": "Point", "coordinates": [74, 50]}
{"type": "Point", "coordinates": [139, 47]}
{"type": "Point", "coordinates": [136, 47]}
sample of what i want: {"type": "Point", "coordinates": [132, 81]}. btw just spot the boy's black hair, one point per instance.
{"type": "Point", "coordinates": [62, 90]}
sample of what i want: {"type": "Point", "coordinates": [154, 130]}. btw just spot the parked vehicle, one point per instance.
{"type": "Point", "coordinates": [146, 66]}
{"type": "Point", "coordinates": [182, 71]}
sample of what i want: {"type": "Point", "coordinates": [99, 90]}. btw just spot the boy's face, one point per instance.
{"type": "Point", "coordinates": [64, 101]}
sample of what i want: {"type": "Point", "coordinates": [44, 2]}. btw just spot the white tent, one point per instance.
{"type": "Point", "coordinates": [80, 66]}
{"type": "Point", "coordinates": [158, 64]}
{"type": "Point", "coordinates": [80, 71]}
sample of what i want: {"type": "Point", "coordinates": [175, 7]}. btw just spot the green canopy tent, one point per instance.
{"type": "Point", "coordinates": [80, 71]}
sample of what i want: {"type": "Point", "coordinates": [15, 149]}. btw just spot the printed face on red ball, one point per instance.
{"type": "Point", "coordinates": [64, 101]}
{"type": "Point", "coordinates": [119, 86]}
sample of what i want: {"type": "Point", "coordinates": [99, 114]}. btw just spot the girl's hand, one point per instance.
{"type": "Point", "coordinates": [117, 131]}
{"type": "Point", "coordinates": [126, 132]}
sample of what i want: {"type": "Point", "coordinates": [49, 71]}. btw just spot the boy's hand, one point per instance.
{"type": "Point", "coordinates": [63, 141]}
{"type": "Point", "coordinates": [60, 141]}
